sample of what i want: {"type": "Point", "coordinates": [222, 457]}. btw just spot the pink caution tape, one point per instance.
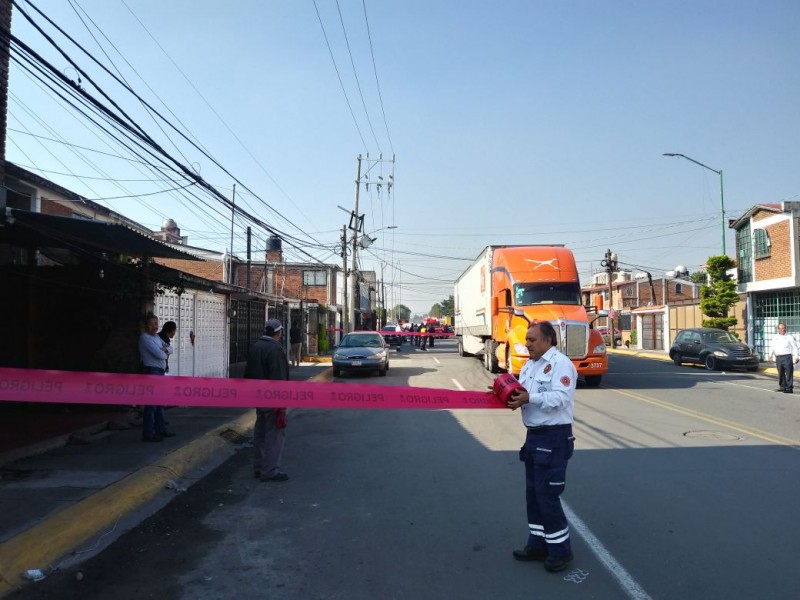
{"type": "Point", "coordinates": [33, 385]}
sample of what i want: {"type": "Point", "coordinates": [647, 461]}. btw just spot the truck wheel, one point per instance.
{"type": "Point", "coordinates": [490, 358]}
{"type": "Point", "coordinates": [460, 347]}
{"type": "Point", "coordinates": [593, 380]}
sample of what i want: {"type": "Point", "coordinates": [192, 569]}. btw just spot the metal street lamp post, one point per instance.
{"type": "Point", "coordinates": [721, 193]}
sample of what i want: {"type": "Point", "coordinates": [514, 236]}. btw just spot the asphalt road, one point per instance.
{"type": "Point", "coordinates": [684, 484]}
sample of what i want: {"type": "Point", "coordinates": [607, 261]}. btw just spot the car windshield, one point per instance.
{"type": "Point", "coordinates": [361, 340]}
{"type": "Point", "coordinates": [719, 337]}
{"type": "Point", "coordinates": [528, 294]}
{"type": "Point", "coordinates": [388, 328]}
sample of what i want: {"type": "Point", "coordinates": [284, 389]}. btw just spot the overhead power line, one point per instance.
{"type": "Point", "coordinates": [375, 71]}
{"type": "Point", "coordinates": [339, 76]}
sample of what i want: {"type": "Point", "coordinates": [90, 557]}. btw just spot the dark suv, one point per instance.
{"type": "Point", "coordinates": [389, 333]}
{"type": "Point", "coordinates": [714, 348]}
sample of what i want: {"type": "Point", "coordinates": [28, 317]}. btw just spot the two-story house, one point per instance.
{"type": "Point", "coordinates": [768, 270]}
{"type": "Point", "coordinates": [641, 296]}
{"type": "Point", "coordinates": [305, 293]}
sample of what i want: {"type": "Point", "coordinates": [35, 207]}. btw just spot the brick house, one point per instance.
{"type": "Point", "coordinates": [630, 293]}
{"type": "Point", "coordinates": [305, 293]}
{"type": "Point", "coordinates": [768, 270]}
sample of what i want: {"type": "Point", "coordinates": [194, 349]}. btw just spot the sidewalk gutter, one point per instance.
{"type": "Point", "coordinates": [50, 540]}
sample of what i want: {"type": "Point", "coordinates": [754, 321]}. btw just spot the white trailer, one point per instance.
{"type": "Point", "coordinates": [472, 298]}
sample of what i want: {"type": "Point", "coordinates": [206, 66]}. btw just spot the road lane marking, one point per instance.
{"type": "Point", "coordinates": [438, 362]}
{"type": "Point", "coordinates": [458, 385]}
{"type": "Point", "coordinates": [625, 579]}
{"type": "Point", "coordinates": [752, 431]}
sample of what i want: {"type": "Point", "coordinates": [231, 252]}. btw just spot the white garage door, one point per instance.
{"type": "Point", "coordinates": [201, 342]}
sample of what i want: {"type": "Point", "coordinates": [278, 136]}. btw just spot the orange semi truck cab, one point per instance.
{"type": "Point", "coordinates": [509, 286]}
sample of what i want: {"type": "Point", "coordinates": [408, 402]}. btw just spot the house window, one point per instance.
{"type": "Point", "coordinates": [745, 248]}
{"type": "Point", "coordinates": [629, 292]}
{"type": "Point", "coordinates": [761, 243]}
{"type": "Point", "coordinates": [315, 278]}
{"type": "Point", "coordinates": [678, 288]}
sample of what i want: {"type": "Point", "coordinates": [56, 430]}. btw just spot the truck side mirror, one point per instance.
{"type": "Point", "coordinates": [518, 312]}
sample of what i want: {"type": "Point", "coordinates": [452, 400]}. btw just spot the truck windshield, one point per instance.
{"type": "Point", "coordinates": [528, 294]}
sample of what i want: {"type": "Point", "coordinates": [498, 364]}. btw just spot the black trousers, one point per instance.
{"type": "Point", "coordinates": [785, 364]}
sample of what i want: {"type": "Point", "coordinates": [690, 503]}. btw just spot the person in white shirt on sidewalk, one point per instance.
{"type": "Point", "coordinates": [786, 355]}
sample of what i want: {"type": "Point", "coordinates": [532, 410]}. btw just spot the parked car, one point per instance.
{"type": "Point", "coordinates": [390, 336]}
{"type": "Point", "coordinates": [361, 351]}
{"type": "Point", "coordinates": [607, 338]}
{"type": "Point", "coordinates": [714, 348]}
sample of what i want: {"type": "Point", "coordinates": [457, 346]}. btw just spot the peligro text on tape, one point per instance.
{"type": "Point", "coordinates": [36, 385]}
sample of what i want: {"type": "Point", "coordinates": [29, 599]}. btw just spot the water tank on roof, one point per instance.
{"type": "Point", "coordinates": [274, 242]}
{"type": "Point", "coordinates": [169, 225]}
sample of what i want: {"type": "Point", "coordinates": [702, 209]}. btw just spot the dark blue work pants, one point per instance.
{"type": "Point", "coordinates": [545, 454]}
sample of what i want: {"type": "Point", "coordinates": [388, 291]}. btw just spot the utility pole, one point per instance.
{"type": "Point", "coordinates": [354, 296]}
{"type": "Point", "coordinates": [357, 224]}
{"type": "Point", "coordinates": [344, 271]}
{"type": "Point", "coordinates": [249, 262]}
{"type": "Point", "coordinates": [610, 263]}
{"type": "Point", "coordinates": [233, 211]}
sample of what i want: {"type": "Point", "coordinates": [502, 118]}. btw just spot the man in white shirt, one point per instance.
{"type": "Point", "coordinates": [547, 403]}
{"type": "Point", "coordinates": [786, 354]}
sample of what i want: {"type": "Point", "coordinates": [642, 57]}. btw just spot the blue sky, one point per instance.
{"type": "Point", "coordinates": [511, 122]}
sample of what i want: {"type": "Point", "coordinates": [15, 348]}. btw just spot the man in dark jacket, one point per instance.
{"type": "Point", "coordinates": [267, 360]}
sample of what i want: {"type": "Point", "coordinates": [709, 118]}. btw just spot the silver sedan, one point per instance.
{"type": "Point", "coordinates": [360, 351]}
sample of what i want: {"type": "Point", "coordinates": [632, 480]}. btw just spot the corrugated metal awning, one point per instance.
{"type": "Point", "coordinates": [25, 228]}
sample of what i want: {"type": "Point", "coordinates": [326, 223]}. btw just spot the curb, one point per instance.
{"type": "Point", "coordinates": [664, 357]}
{"type": "Point", "coordinates": [317, 359]}
{"type": "Point", "coordinates": [56, 536]}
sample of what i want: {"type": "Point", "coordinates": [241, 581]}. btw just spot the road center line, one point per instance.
{"type": "Point", "coordinates": [625, 580]}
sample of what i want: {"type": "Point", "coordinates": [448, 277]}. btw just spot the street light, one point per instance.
{"type": "Point", "coordinates": [721, 194]}
{"type": "Point", "coordinates": [367, 241]}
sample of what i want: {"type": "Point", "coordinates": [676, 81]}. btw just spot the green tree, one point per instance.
{"type": "Point", "coordinates": [698, 277]}
{"type": "Point", "coordinates": [401, 312]}
{"type": "Point", "coordinates": [436, 310]}
{"type": "Point", "coordinates": [447, 305]}
{"type": "Point", "coordinates": [717, 297]}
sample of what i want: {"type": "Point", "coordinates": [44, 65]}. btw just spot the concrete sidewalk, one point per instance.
{"type": "Point", "coordinates": [63, 501]}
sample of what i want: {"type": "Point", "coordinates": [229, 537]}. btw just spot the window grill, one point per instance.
{"type": "Point", "coordinates": [745, 247]}
{"type": "Point", "coordinates": [769, 310]}
{"type": "Point", "coordinates": [761, 243]}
